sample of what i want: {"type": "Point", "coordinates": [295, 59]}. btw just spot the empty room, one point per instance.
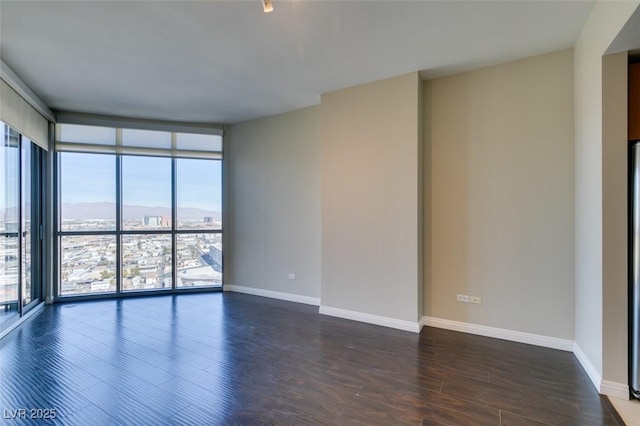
{"type": "Point", "coordinates": [320, 212]}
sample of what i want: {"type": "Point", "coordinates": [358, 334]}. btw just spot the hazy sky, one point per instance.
{"type": "Point", "coordinates": [146, 180]}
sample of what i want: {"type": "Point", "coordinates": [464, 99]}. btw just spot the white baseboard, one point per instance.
{"type": "Point", "coordinates": [500, 333]}
{"type": "Point", "coordinates": [315, 301]}
{"type": "Point", "coordinates": [371, 319]}
{"type": "Point", "coordinates": [604, 387]}
{"type": "Point", "coordinates": [421, 324]}
{"type": "Point", "coordinates": [589, 368]}
{"type": "Point", "coordinates": [614, 389]}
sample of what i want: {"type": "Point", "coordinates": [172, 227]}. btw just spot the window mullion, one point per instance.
{"type": "Point", "coordinates": [118, 159]}
{"type": "Point", "coordinates": [174, 219]}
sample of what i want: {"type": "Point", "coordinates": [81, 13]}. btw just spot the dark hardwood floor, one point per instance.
{"type": "Point", "coordinates": [209, 359]}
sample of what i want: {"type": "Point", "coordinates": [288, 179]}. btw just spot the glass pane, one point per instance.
{"type": "Point", "coordinates": [87, 134]}
{"type": "Point", "coordinates": [146, 262]}
{"type": "Point", "coordinates": [87, 192]}
{"type": "Point", "coordinates": [88, 264]}
{"type": "Point", "coordinates": [26, 221]}
{"type": "Point", "coordinates": [9, 224]}
{"type": "Point", "coordinates": [198, 142]}
{"type": "Point", "coordinates": [199, 193]}
{"type": "Point", "coordinates": [146, 192]}
{"type": "Point", "coordinates": [199, 260]}
{"type": "Point", "coordinates": [146, 138]}
{"type": "Point", "coordinates": [33, 244]}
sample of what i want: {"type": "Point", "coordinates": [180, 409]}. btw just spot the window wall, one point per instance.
{"type": "Point", "coordinates": [139, 210]}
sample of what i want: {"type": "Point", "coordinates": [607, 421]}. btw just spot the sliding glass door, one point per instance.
{"type": "Point", "coordinates": [20, 214]}
{"type": "Point", "coordinates": [32, 159]}
{"type": "Point", "coordinates": [9, 224]}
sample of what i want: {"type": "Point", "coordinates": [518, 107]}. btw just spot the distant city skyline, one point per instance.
{"type": "Point", "coordinates": [88, 262]}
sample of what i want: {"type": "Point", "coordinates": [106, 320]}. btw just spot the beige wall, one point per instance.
{"type": "Point", "coordinates": [604, 24]}
{"type": "Point", "coordinates": [371, 175]}
{"type": "Point", "coordinates": [427, 211]}
{"type": "Point", "coordinates": [272, 194]}
{"type": "Point", "coordinates": [500, 213]}
{"type": "Point", "coordinates": [614, 218]}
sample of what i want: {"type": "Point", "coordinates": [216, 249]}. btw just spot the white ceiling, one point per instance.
{"type": "Point", "coordinates": [227, 61]}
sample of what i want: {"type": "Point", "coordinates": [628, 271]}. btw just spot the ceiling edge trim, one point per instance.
{"type": "Point", "coordinates": [16, 83]}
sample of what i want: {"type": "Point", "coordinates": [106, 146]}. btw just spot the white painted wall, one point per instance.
{"type": "Point", "coordinates": [500, 213]}
{"type": "Point", "coordinates": [371, 173]}
{"type": "Point", "coordinates": [272, 195]}
{"type": "Point", "coordinates": [604, 24]}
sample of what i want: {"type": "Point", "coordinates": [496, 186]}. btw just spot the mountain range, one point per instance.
{"type": "Point", "coordinates": [105, 210]}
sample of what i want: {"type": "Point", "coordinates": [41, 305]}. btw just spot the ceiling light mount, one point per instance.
{"type": "Point", "coordinates": [267, 6]}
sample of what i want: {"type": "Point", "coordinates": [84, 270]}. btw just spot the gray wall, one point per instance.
{"type": "Point", "coordinates": [369, 210]}
{"type": "Point", "coordinates": [272, 182]}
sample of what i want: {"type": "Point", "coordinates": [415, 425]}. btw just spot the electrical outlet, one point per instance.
{"type": "Point", "coordinates": [292, 276]}
{"type": "Point", "coordinates": [462, 298]}
{"type": "Point", "coordinates": [475, 299]}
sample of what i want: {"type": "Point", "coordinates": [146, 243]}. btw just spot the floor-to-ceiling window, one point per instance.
{"type": "Point", "coordinates": [20, 224]}
{"type": "Point", "coordinates": [139, 210]}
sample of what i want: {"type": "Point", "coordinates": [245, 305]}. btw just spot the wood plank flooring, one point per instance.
{"type": "Point", "coordinates": [235, 359]}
